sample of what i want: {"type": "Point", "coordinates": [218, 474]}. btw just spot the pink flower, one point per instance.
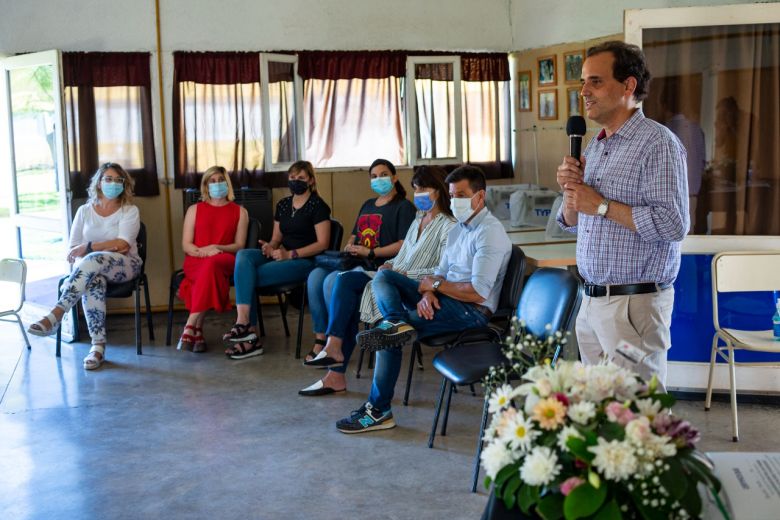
{"type": "Point", "coordinates": [682, 432]}
{"type": "Point", "coordinates": [562, 398]}
{"type": "Point", "coordinates": [617, 412]}
{"type": "Point", "coordinates": [568, 485]}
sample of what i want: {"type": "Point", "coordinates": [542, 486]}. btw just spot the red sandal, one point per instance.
{"type": "Point", "coordinates": [200, 342]}
{"type": "Point", "coordinates": [187, 340]}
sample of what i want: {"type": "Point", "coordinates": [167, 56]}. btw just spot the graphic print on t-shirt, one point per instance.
{"type": "Point", "coordinates": [368, 229]}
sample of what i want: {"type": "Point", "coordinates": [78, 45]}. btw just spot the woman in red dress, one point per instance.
{"type": "Point", "coordinates": [214, 231]}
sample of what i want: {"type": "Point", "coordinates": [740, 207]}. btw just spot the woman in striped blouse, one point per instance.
{"type": "Point", "coordinates": [419, 255]}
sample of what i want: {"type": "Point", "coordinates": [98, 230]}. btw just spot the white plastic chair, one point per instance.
{"type": "Point", "coordinates": [736, 272]}
{"type": "Point", "coordinates": [13, 276]}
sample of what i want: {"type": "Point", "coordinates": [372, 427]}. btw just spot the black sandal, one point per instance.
{"type": "Point", "coordinates": [240, 333]}
{"type": "Point", "coordinates": [313, 354]}
{"type": "Point", "coordinates": [245, 349]}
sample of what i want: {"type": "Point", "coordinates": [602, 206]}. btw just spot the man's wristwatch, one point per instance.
{"type": "Point", "coordinates": [436, 285]}
{"type": "Point", "coordinates": [603, 208]}
{"type": "Point", "coordinates": [371, 254]}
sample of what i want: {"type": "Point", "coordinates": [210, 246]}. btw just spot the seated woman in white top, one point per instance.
{"type": "Point", "coordinates": [419, 255]}
{"type": "Point", "coordinates": [103, 248]}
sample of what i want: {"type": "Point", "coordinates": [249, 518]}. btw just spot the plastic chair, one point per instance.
{"type": "Point", "coordinates": [13, 272]}
{"type": "Point", "coordinates": [252, 236]}
{"type": "Point", "coordinates": [125, 290]}
{"type": "Point", "coordinates": [738, 272]}
{"type": "Point", "coordinates": [283, 292]}
{"type": "Point", "coordinates": [550, 296]}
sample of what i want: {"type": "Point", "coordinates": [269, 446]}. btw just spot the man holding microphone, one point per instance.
{"type": "Point", "coordinates": [626, 198]}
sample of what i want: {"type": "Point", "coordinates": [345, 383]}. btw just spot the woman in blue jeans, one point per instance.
{"type": "Point", "coordinates": [301, 231]}
{"type": "Point", "coordinates": [377, 236]}
{"type": "Point", "coordinates": [418, 257]}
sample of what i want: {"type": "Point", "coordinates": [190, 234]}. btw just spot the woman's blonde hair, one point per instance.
{"type": "Point", "coordinates": [308, 169]}
{"type": "Point", "coordinates": [94, 191]}
{"type": "Point", "coordinates": [204, 183]}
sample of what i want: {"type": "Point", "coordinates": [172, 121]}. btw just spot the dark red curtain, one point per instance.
{"type": "Point", "coordinates": [351, 65]}
{"type": "Point", "coordinates": [128, 72]}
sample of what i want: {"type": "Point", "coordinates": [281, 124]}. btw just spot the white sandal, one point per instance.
{"type": "Point", "coordinates": [93, 360]}
{"type": "Point", "coordinates": [36, 329]}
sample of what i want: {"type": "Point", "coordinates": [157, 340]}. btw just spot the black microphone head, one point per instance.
{"type": "Point", "coordinates": [576, 126]}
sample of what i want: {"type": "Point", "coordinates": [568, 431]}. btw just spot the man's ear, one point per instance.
{"type": "Point", "coordinates": [630, 85]}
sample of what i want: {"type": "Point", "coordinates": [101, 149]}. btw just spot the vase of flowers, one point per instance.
{"type": "Point", "coordinates": [575, 441]}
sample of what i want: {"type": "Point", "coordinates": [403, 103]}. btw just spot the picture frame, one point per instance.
{"type": "Point", "coordinates": [546, 68]}
{"type": "Point", "coordinates": [574, 102]}
{"type": "Point", "coordinates": [548, 105]}
{"type": "Point", "coordinates": [572, 66]}
{"type": "Point", "coordinates": [524, 92]}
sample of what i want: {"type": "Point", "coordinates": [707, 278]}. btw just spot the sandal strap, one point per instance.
{"type": "Point", "coordinates": [237, 330]}
{"type": "Point", "coordinates": [320, 342]}
{"type": "Point", "coordinates": [243, 347]}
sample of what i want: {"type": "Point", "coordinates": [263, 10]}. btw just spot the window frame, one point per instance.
{"type": "Point", "coordinates": [265, 99]}
{"type": "Point", "coordinates": [412, 118]}
{"type": "Point", "coordinates": [636, 20]}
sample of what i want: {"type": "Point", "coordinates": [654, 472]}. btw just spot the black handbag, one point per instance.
{"type": "Point", "coordinates": [339, 261]}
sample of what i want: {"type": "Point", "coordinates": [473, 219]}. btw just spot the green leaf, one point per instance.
{"type": "Point", "coordinates": [487, 483]}
{"type": "Point", "coordinates": [691, 501]}
{"type": "Point", "coordinates": [510, 490]}
{"type": "Point", "coordinates": [504, 474]}
{"type": "Point", "coordinates": [666, 400]}
{"type": "Point", "coordinates": [551, 506]}
{"type": "Point", "coordinates": [702, 470]}
{"type": "Point", "coordinates": [527, 497]}
{"type": "Point", "coordinates": [613, 431]}
{"type": "Point", "coordinates": [580, 449]}
{"type": "Point", "coordinates": [610, 511]}
{"type": "Point", "coordinates": [584, 500]}
{"type": "Point", "coordinates": [673, 480]}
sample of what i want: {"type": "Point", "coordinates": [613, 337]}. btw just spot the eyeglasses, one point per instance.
{"type": "Point", "coordinates": [113, 180]}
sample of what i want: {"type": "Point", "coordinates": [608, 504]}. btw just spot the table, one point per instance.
{"type": "Point", "coordinates": [522, 229]}
{"type": "Point", "coordinates": [553, 254]}
{"type": "Point", "coordinates": [538, 238]}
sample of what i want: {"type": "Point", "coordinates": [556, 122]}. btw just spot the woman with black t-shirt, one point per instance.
{"type": "Point", "coordinates": [377, 236]}
{"type": "Point", "coordinates": [301, 231]}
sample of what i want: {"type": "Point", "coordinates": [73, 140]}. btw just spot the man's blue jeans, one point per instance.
{"type": "Point", "coordinates": [397, 297]}
{"type": "Point", "coordinates": [254, 269]}
{"type": "Point", "coordinates": [344, 311]}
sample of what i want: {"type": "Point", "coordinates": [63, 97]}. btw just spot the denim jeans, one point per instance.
{"type": "Point", "coordinates": [254, 269]}
{"type": "Point", "coordinates": [344, 311]}
{"type": "Point", "coordinates": [319, 287]}
{"type": "Point", "coordinates": [397, 297]}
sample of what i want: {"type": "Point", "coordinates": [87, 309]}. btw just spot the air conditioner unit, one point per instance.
{"type": "Point", "coordinates": [257, 201]}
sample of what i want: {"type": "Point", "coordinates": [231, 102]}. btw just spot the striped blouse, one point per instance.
{"type": "Point", "coordinates": [419, 256]}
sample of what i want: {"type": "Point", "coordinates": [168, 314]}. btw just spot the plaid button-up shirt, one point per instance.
{"type": "Point", "coordinates": [642, 165]}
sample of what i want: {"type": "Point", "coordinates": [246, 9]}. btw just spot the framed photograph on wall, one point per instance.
{"type": "Point", "coordinates": [574, 101]}
{"type": "Point", "coordinates": [572, 66]}
{"type": "Point", "coordinates": [548, 104]}
{"type": "Point", "coordinates": [524, 91]}
{"type": "Point", "coordinates": [546, 66]}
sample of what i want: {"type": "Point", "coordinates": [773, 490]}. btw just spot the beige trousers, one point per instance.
{"type": "Point", "coordinates": [642, 320]}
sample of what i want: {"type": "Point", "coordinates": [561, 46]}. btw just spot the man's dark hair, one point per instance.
{"type": "Point", "coordinates": [629, 61]}
{"type": "Point", "coordinates": [473, 174]}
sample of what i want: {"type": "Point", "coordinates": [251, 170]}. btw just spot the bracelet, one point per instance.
{"type": "Point", "coordinates": [89, 248]}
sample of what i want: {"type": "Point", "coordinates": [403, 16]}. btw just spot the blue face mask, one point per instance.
{"type": "Point", "coordinates": [218, 190]}
{"type": "Point", "coordinates": [423, 201]}
{"type": "Point", "coordinates": [382, 185]}
{"type": "Point", "coordinates": [111, 190]}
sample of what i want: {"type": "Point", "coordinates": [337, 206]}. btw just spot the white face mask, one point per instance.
{"type": "Point", "coordinates": [461, 208]}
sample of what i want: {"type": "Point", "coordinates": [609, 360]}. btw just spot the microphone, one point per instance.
{"type": "Point", "coordinates": [575, 129]}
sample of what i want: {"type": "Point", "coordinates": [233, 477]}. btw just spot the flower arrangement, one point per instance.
{"type": "Point", "coordinates": [576, 441]}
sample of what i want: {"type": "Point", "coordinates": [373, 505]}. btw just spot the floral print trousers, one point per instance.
{"type": "Point", "coordinates": [89, 280]}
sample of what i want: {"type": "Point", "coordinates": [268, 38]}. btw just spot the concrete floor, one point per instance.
{"type": "Point", "coordinates": [179, 435]}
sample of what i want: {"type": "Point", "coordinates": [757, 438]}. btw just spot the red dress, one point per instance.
{"type": "Point", "coordinates": [206, 283]}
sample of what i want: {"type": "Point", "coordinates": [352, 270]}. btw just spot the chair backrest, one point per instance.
{"type": "Point", "coordinates": [253, 234]}
{"type": "Point", "coordinates": [513, 284]}
{"type": "Point", "coordinates": [13, 271]}
{"type": "Point", "coordinates": [737, 271]}
{"type": "Point", "coordinates": [550, 297]}
{"type": "Point", "coordinates": [336, 234]}
{"type": "Point", "coordinates": [140, 242]}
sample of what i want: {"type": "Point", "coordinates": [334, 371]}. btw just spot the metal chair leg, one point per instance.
{"type": "Point", "coordinates": [300, 323]}
{"type": "Point", "coordinates": [360, 363]}
{"type": "Point", "coordinates": [409, 376]}
{"type": "Point", "coordinates": [371, 361]}
{"type": "Point", "coordinates": [733, 392]}
{"type": "Point", "coordinates": [138, 320]}
{"type": "Point", "coordinates": [283, 310]}
{"type": "Point", "coordinates": [259, 310]}
{"type": "Point", "coordinates": [438, 411]}
{"type": "Point", "coordinates": [24, 332]}
{"type": "Point", "coordinates": [713, 360]}
{"type": "Point", "coordinates": [473, 391]}
{"type": "Point", "coordinates": [479, 445]}
{"type": "Point", "coordinates": [170, 318]}
{"type": "Point", "coordinates": [418, 348]}
{"type": "Point", "coordinates": [447, 411]}
{"type": "Point", "coordinates": [149, 321]}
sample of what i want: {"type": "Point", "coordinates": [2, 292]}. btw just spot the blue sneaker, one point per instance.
{"type": "Point", "coordinates": [388, 334]}
{"type": "Point", "coordinates": [366, 419]}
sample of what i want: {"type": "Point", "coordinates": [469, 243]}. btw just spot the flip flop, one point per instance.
{"type": "Point", "coordinates": [323, 360]}
{"type": "Point", "coordinates": [318, 389]}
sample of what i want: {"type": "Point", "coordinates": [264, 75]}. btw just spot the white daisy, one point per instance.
{"type": "Point", "coordinates": [540, 467]}
{"type": "Point", "coordinates": [520, 433]}
{"type": "Point", "coordinates": [500, 399]}
{"type": "Point", "coordinates": [582, 412]}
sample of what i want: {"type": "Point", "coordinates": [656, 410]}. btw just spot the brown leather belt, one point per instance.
{"type": "Point", "coordinates": [597, 291]}
{"type": "Point", "coordinates": [483, 310]}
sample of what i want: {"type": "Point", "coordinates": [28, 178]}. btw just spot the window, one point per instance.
{"type": "Point", "coordinates": [282, 99]}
